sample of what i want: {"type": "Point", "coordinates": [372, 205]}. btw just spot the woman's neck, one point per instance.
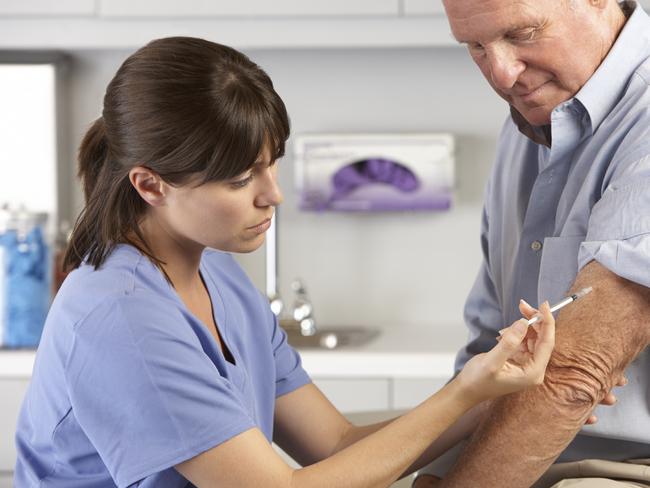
{"type": "Point", "coordinates": [180, 258]}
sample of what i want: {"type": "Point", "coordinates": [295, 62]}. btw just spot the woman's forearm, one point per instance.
{"type": "Point", "coordinates": [460, 430]}
{"type": "Point", "coordinates": [381, 457]}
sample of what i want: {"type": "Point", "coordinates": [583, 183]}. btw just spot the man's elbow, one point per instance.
{"type": "Point", "coordinates": [577, 383]}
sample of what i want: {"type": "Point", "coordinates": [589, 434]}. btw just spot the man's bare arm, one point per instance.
{"type": "Point", "coordinates": [596, 340]}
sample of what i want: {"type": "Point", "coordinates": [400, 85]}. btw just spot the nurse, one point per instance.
{"type": "Point", "coordinates": [160, 364]}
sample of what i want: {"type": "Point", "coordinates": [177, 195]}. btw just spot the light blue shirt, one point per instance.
{"type": "Point", "coordinates": [128, 382]}
{"type": "Point", "coordinates": [551, 210]}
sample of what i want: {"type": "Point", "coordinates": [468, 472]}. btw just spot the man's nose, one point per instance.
{"type": "Point", "coordinates": [504, 65]}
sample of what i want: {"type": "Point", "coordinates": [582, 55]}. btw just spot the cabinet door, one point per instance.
{"type": "Point", "coordinates": [356, 395]}
{"type": "Point", "coordinates": [423, 7]}
{"type": "Point", "coordinates": [13, 391]}
{"type": "Point", "coordinates": [410, 392]}
{"type": "Point", "coordinates": [246, 8]}
{"type": "Point", "coordinates": [47, 7]}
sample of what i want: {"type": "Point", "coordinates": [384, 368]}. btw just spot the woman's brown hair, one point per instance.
{"type": "Point", "coordinates": [183, 107]}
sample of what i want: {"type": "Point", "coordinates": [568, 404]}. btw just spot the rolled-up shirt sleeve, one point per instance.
{"type": "Point", "coordinates": [618, 235]}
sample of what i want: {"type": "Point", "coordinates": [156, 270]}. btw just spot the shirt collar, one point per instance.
{"type": "Point", "coordinates": [537, 134]}
{"type": "Point", "coordinates": [606, 86]}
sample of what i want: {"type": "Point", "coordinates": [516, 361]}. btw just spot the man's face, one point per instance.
{"type": "Point", "coordinates": [536, 54]}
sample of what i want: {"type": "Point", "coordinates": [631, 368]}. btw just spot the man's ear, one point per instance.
{"type": "Point", "coordinates": [149, 185]}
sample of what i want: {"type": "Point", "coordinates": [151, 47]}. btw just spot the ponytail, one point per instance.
{"type": "Point", "coordinates": [112, 204]}
{"type": "Point", "coordinates": [93, 153]}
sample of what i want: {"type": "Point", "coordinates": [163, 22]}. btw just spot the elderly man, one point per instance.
{"type": "Point", "coordinates": [567, 206]}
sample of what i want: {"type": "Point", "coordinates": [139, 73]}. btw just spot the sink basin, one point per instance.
{"type": "Point", "coordinates": [331, 338]}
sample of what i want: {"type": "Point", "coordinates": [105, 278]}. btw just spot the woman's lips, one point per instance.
{"type": "Point", "coordinates": [261, 227]}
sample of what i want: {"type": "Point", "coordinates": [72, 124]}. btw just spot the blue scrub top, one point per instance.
{"type": "Point", "coordinates": [128, 383]}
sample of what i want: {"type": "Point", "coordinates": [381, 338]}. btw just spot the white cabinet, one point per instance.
{"type": "Point", "coordinates": [246, 8]}
{"type": "Point", "coordinates": [410, 392]}
{"type": "Point", "coordinates": [423, 7]}
{"type": "Point", "coordinates": [356, 395]}
{"type": "Point", "coordinates": [353, 395]}
{"type": "Point", "coordinates": [12, 392]}
{"type": "Point", "coordinates": [243, 24]}
{"type": "Point", "coordinates": [47, 7]}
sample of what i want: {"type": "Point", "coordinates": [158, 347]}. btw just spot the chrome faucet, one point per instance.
{"type": "Point", "coordinates": [303, 309]}
{"type": "Point", "coordinates": [302, 312]}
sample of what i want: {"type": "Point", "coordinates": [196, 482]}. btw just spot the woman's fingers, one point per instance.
{"type": "Point", "coordinates": [591, 420]}
{"type": "Point", "coordinates": [546, 336]}
{"type": "Point", "coordinates": [526, 309]}
{"type": "Point", "coordinates": [509, 343]}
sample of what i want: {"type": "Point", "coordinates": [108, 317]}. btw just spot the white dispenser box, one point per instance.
{"type": "Point", "coordinates": [374, 172]}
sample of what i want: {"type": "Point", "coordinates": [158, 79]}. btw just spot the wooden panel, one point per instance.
{"type": "Point", "coordinates": [12, 392]}
{"type": "Point", "coordinates": [245, 8]}
{"type": "Point", "coordinates": [356, 395]}
{"type": "Point", "coordinates": [423, 7]}
{"type": "Point", "coordinates": [410, 392]}
{"type": "Point", "coordinates": [47, 7]}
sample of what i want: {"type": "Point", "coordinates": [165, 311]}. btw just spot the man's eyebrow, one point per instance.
{"type": "Point", "coordinates": [513, 29]}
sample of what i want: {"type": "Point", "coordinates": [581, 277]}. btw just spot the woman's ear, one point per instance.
{"type": "Point", "coordinates": [149, 185]}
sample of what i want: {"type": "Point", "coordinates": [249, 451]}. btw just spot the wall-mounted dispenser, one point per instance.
{"type": "Point", "coordinates": [374, 172]}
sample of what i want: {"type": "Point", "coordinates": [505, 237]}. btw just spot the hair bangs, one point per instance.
{"type": "Point", "coordinates": [254, 123]}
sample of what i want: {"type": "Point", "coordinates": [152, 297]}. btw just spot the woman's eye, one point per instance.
{"type": "Point", "coordinates": [241, 183]}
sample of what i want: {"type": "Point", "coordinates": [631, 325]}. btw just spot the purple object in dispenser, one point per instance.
{"type": "Point", "coordinates": [373, 171]}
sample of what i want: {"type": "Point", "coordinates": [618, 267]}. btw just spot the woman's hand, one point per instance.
{"type": "Point", "coordinates": [518, 361]}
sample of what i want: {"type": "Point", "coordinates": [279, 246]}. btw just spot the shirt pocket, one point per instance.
{"type": "Point", "coordinates": [558, 268]}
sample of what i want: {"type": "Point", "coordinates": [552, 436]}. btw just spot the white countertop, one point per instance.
{"type": "Point", "coordinates": [16, 364]}
{"type": "Point", "coordinates": [396, 352]}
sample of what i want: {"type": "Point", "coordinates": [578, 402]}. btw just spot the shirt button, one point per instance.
{"type": "Point", "coordinates": [536, 246]}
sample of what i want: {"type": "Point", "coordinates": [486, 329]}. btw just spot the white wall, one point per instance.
{"type": "Point", "coordinates": [381, 269]}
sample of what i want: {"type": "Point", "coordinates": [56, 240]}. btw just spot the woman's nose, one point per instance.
{"type": "Point", "coordinates": [270, 193]}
